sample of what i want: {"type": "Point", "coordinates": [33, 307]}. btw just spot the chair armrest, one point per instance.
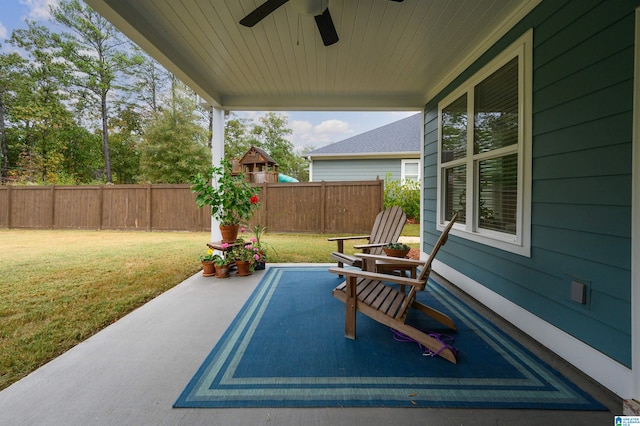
{"type": "Point", "coordinates": [390, 259]}
{"type": "Point", "coordinates": [357, 237]}
{"type": "Point", "coordinates": [369, 246]}
{"type": "Point", "coordinates": [378, 277]}
{"type": "Point", "coordinates": [341, 240]}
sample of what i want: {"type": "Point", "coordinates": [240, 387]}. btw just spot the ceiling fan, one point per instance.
{"type": "Point", "coordinates": [319, 9]}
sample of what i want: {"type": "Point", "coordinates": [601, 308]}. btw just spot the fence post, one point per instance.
{"type": "Point", "coordinates": [381, 191]}
{"type": "Point", "coordinates": [9, 206]}
{"type": "Point", "coordinates": [323, 206]}
{"type": "Point", "coordinates": [100, 204]}
{"type": "Point", "coordinates": [53, 206]}
{"type": "Point", "coordinates": [265, 209]}
{"type": "Point", "coordinates": [149, 207]}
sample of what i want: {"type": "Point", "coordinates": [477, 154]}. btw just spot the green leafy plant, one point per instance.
{"type": "Point", "coordinates": [260, 247]}
{"type": "Point", "coordinates": [209, 257]}
{"type": "Point", "coordinates": [232, 200]}
{"type": "Point", "coordinates": [397, 246]}
{"type": "Point", "coordinates": [243, 252]}
{"type": "Point", "coordinates": [219, 260]}
{"type": "Point", "coordinates": [405, 194]}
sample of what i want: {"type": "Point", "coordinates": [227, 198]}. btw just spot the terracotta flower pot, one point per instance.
{"type": "Point", "coordinates": [208, 269]}
{"type": "Point", "coordinates": [395, 253]}
{"type": "Point", "coordinates": [229, 233]}
{"type": "Point", "coordinates": [244, 268]}
{"type": "Point", "coordinates": [222, 271]}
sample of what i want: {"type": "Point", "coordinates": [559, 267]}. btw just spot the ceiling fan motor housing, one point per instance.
{"type": "Point", "coordinates": [310, 7]}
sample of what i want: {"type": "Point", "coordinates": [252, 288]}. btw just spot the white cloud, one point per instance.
{"type": "Point", "coordinates": [328, 131]}
{"type": "Point", "coordinates": [3, 31]}
{"type": "Point", "coordinates": [333, 127]}
{"type": "Point", "coordinates": [301, 127]}
{"type": "Point", "coordinates": [39, 9]}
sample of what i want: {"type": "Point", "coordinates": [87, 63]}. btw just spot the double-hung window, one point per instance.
{"type": "Point", "coordinates": [484, 153]}
{"type": "Point", "coordinates": [410, 170]}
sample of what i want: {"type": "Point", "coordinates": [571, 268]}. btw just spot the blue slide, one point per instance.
{"type": "Point", "coordinates": [285, 178]}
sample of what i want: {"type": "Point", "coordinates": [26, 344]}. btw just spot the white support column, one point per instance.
{"type": "Point", "coordinates": [217, 154]}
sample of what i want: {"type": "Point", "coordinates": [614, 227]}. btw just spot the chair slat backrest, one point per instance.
{"type": "Point", "coordinates": [387, 227]}
{"type": "Point", "coordinates": [426, 270]}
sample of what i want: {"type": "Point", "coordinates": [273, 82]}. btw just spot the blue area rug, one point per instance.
{"type": "Point", "coordinates": [286, 348]}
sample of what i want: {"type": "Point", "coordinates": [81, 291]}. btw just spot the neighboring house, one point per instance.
{"type": "Point", "coordinates": [531, 131]}
{"type": "Point", "coordinates": [394, 148]}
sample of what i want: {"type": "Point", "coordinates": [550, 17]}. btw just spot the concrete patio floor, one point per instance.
{"type": "Point", "coordinates": [131, 373]}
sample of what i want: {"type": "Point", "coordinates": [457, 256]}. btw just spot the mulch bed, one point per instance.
{"type": "Point", "coordinates": [414, 254]}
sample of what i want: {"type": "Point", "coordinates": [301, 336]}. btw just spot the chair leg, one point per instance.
{"type": "Point", "coordinates": [435, 314]}
{"type": "Point", "coordinates": [351, 307]}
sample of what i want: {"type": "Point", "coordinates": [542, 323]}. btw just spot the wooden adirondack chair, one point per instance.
{"type": "Point", "coordinates": [386, 229]}
{"type": "Point", "coordinates": [370, 293]}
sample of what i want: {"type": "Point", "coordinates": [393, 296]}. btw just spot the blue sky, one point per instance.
{"type": "Point", "coordinates": [315, 129]}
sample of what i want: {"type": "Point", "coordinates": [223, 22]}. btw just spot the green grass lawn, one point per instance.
{"type": "Point", "coordinates": [59, 287]}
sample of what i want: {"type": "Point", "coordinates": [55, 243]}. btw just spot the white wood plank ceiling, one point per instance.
{"type": "Point", "coordinates": [391, 55]}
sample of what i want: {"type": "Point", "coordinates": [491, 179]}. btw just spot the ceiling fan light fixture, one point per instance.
{"type": "Point", "coordinates": [310, 7]}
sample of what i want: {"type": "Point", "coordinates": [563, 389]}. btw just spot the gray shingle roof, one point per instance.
{"type": "Point", "coordinates": [400, 136]}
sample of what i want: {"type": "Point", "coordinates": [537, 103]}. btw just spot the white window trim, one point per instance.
{"type": "Point", "coordinates": [403, 168]}
{"type": "Point", "coordinates": [521, 242]}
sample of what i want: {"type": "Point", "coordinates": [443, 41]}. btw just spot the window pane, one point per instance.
{"type": "Point", "coordinates": [498, 194]}
{"type": "Point", "coordinates": [454, 130]}
{"type": "Point", "coordinates": [456, 194]}
{"type": "Point", "coordinates": [411, 169]}
{"type": "Point", "coordinates": [496, 109]}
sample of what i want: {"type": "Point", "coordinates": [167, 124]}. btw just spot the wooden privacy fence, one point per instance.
{"type": "Point", "coordinates": [314, 207]}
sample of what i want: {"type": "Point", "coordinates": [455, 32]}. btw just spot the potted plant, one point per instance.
{"type": "Point", "coordinates": [259, 247]}
{"type": "Point", "coordinates": [232, 200]}
{"type": "Point", "coordinates": [396, 249]}
{"type": "Point", "coordinates": [208, 263]}
{"type": "Point", "coordinates": [222, 266]}
{"type": "Point", "coordinates": [244, 256]}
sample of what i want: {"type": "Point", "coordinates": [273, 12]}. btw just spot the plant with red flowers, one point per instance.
{"type": "Point", "coordinates": [232, 200]}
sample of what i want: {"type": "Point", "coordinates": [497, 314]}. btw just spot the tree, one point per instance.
{"type": "Point", "coordinates": [38, 111]}
{"type": "Point", "coordinates": [99, 55]}
{"type": "Point", "coordinates": [270, 135]}
{"type": "Point", "coordinates": [174, 146]}
{"type": "Point", "coordinates": [12, 68]}
{"type": "Point", "coordinates": [126, 135]}
{"type": "Point", "coordinates": [237, 139]}
{"type": "Point", "coordinates": [149, 80]}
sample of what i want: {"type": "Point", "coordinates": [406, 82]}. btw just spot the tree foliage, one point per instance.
{"type": "Point", "coordinates": [12, 68]}
{"type": "Point", "coordinates": [174, 147]}
{"type": "Point", "coordinates": [43, 129]}
{"type": "Point", "coordinates": [98, 55]}
{"type": "Point", "coordinates": [405, 194]}
{"type": "Point", "coordinates": [81, 104]}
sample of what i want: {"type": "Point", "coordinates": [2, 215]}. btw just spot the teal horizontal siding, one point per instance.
{"type": "Point", "coordinates": [336, 170]}
{"type": "Point", "coordinates": [588, 218]}
{"type": "Point", "coordinates": [581, 175]}
{"type": "Point", "coordinates": [611, 129]}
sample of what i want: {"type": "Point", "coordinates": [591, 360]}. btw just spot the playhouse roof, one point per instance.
{"type": "Point", "coordinates": [257, 155]}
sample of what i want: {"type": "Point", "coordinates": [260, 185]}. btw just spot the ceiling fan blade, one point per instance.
{"type": "Point", "coordinates": [399, 1]}
{"type": "Point", "coordinates": [326, 28]}
{"type": "Point", "coordinates": [261, 12]}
